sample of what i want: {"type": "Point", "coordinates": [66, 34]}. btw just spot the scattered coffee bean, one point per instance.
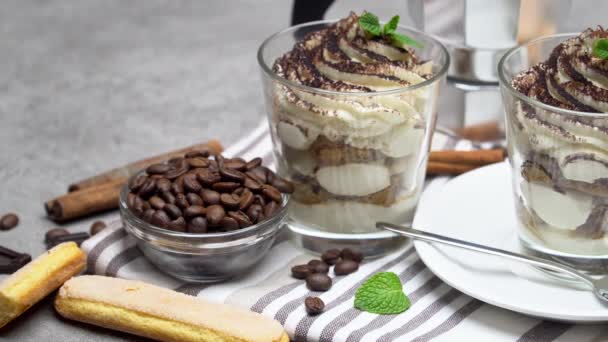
{"type": "Point", "coordinates": [54, 233]}
{"type": "Point", "coordinates": [351, 254]}
{"type": "Point", "coordinates": [331, 256]}
{"type": "Point", "coordinates": [320, 267]}
{"type": "Point", "coordinates": [314, 262]}
{"type": "Point", "coordinates": [318, 282]}
{"type": "Point", "coordinates": [9, 221]}
{"type": "Point", "coordinates": [314, 305]}
{"type": "Point", "coordinates": [97, 226]}
{"type": "Point", "coordinates": [301, 271]}
{"type": "Point", "coordinates": [345, 267]}
{"type": "Point", "coordinates": [197, 225]}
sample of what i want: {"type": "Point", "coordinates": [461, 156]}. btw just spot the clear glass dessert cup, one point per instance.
{"type": "Point", "coordinates": [559, 163]}
{"type": "Point", "coordinates": [351, 163]}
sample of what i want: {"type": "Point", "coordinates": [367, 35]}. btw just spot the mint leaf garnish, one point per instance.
{"type": "Point", "coordinates": [382, 294]}
{"type": "Point", "coordinates": [391, 26]}
{"type": "Point", "coordinates": [405, 40]}
{"type": "Point", "coordinates": [600, 48]}
{"type": "Point", "coordinates": [370, 24]}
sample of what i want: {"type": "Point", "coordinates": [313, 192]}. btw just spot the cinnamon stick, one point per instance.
{"type": "Point", "coordinates": [84, 202]}
{"type": "Point", "coordinates": [439, 168]}
{"type": "Point", "coordinates": [477, 157]}
{"type": "Point", "coordinates": [481, 132]}
{"type": "Point", "coordinates": [124, 172]}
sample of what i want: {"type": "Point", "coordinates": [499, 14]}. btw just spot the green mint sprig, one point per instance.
{"type": "Point", "coordinates": [600, 48]}
{"type": "Point", "coordinates": [382, 294]}
{"type": "Point", "coordinates": [370, 24]}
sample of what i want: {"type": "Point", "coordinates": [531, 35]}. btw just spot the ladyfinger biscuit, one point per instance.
{"type": "Point", "coordinates": [161, 314]}
{"type": "Point", "coordinates": [38, 278]}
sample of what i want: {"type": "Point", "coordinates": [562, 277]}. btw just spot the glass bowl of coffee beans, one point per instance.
{"type": "Point", "coordinates": [204, 218]}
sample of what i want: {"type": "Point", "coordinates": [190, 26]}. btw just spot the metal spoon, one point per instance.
{"type": "Point", "coordinates": [599, 286]}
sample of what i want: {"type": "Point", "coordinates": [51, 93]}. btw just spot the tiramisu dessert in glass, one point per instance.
{"type": "Point", "coordinates": [351, 110]}
{"type": "Point", "coordinates": [555, 92]}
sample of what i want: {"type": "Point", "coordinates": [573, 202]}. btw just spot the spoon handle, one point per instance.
{"type": "Point", "coordinates": [425, 236]}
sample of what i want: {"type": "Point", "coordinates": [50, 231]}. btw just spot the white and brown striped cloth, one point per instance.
{"type": "Point", "coordinates": [438, 312]}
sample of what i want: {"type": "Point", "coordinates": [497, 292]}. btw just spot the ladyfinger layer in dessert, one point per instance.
{"type": "Point", "coordinates": [40, 277]}
{"type": "Point", "coordinates": [161, 314]}
{"type": "Point", "coordinates": [353, 151]}
{"type": "Point", "coordinates": [563, 158]}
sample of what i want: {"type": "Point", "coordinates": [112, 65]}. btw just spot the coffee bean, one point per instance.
{"type": "Point", "coordinates": [272, 193]}
{"type": "Point", "coordinates": [195, 210]}
{"type": "Point", "coordinates": [138, 205]}
{"type": "Point", "coordinates": [131, 200]}
{"type": "Point", "coordinates": [351, 254]}
{"type": "Point", "coordinates": [168, 197]}
{"type": "Point", "coordinates": [177, 171]}
{"type": "Point", "coordinates": [147, 215]}
{"type": "Point", "coordinates": [198, 162]}
{"type": "Point", "coordinates": [148, 188]}
{"type": "Point", "coordinates": [160, 218]}
{"type": "Point", "coordinates": [177, 187]}
{"type": "Point", "coordinates": [235, 164]}
{"type": "Point", "coordinates": [210, 197]}
{"type": "Point", "coordinates": [191, 184]}
{"type": "Point", "coordinates": [253, 163]}
{"type": "Point", "coordinates": [54, 233]}
{"type": "Point", "coordinates": [194, 199]}
{"type": "Point", "coordinates": [163, 185]}
{"type": "Point", "coordinates": [230, 201]}
{"type": "Point", "coordinates": [96, 227]}
{"type": "Point", "coordinates": [229, 224]}
{"type": "Point", "coordinates": [301, 271]}
{"type": "Point", "coordinates": [231, 175]}
{"type": "Point", "coordinates": [198, 153]}
{"type": "Point", "coordinates": [208, 177]}
{"type": "Point", "coordinates": [259, 199]}
{"type": "Point", "coordinates": [313, 262]}
{"type": "Point", "coordinates": [246, 199]}
{"type": "Point", "coordinates": [156, 202]}
{"type": "Point", "coordinates": [320, 267]}
{"type": "Point", "coordinates": [331, 256]}
{"type": "Point", "coordinates": [254, 211]}
{"type": "Point", "coordinates": [158, 169]}
{"type": "Point", "coordinates": [136, 183]}
{"type": "Point", "coordinates": [318, 282]}
{"type": "Point", "coordinates": [9, 221]}
{"type": "Point", "coordinates": [270, 175]}
{"type": "Point", "coordinates": [178, 225]}
{"type": "Point", "coordinates": [175, 161]}
{"type": "Point", "coordinates": [173, 211]}
{"type": "Point", "coordinates": [240, 217]}
{"type": "Point", "coordinates": [197, 225]}
{"type": "Point", "coordinates": [258, 173]}
{"type": "Point", "coordinates": [182, 201]}
{"type": "Point", "coordinates": [220, 160]}
{"type": "Point", "coordinates": [270, 209]}
{"type": "Point", "coordinates": [252, 184]}
{"type": "Point", "coordinates": [225, 186]}
{"type": "Point", "coordinates": [283, 185]}
{"type": "Point", "coordinates": [345, 267]}
{"type": "Point", "coordinates": [314, 305]}
{"type": "Point", "coordinates": [215, 213]}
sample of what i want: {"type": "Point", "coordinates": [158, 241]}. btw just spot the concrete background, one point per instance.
{"type": "Point", "coordinates": [90, 85]}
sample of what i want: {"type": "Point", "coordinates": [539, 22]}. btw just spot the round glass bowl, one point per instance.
{"type": "Point", "coordinates": [209, 257]}
{"type": "Point", "coordinates": [559, 162]}
{"type": "Point", "coordinates": [364, 163]}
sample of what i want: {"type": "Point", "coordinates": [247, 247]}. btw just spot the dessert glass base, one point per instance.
{"type": "Point", "coordinates": [351, 122]}
{"type": "Point", "coordinates": [558, 156]}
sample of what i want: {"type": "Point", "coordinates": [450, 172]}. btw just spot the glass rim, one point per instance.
{"type": "Point", "coordinates": [502, 77]}
{"type": "Point", "coordinates": [268, 71]}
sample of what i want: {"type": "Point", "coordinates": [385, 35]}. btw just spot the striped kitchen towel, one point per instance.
{"type": "Point", "coordinates": [438, 312]}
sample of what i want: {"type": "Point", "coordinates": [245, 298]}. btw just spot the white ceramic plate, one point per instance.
{"type": "Point", "coordinates": [478, 206]}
